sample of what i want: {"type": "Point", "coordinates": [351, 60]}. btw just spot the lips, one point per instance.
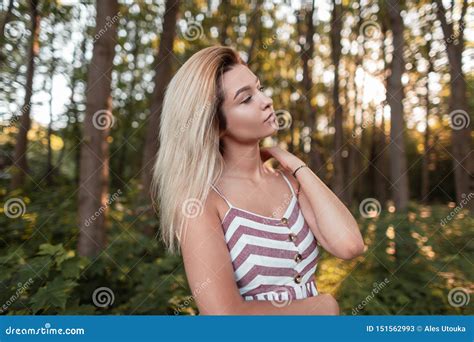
{"type": "Point", "coordinates": [269, 116]}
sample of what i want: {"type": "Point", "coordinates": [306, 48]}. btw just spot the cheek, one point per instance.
{"type": "Point", "coordinates": [244, 121]}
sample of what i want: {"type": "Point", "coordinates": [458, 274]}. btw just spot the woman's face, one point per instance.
{"type": "Point", "coordinates": [248, 111]}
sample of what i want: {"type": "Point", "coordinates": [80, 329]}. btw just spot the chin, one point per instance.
{"type": "Point", "coordinates": [271, 131]}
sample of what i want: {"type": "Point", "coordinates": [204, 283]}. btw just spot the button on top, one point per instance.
{"type": "Point", "coordinates": [298, 279]}
{"type": "Point", "coordinates": [292, 237]}
{"type": "Point", "coordinates": [284, 220]}
{"type": "Point", "coordinates": [298, 257]}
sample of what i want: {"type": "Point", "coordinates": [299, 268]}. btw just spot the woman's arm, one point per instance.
{"type": "Point", "coordinates": [211, 277]}
{"type": "Point", "coordinates": [329, 219]}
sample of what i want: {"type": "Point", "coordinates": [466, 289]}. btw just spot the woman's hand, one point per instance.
{"type": "Point", "coordinates": [286, 159]}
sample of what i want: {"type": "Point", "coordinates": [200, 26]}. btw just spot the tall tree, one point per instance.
{"type": "Point", "coordinates": [377, 168]}
{"type": "Point", "coordinates": [6, 18]}
{"type": "Point", "coordinates": [52, 69]}
{"type": "Point", "coordinates": [336, 27]}
{"type": "Point", "coordinates": [20, 164]}
{"type": "Point", "coordinates": [223, 11]}
{"type": "Point", "coordinates": [461, 131]}
{"type": "Point", "coordinates": [163, 69]}
{"type": "Point", "coordinates": [395, 95]}
{"type": "Point", "coordinates": [256, 27]}
{"type": "Point", "coordinates": [75, 79]}
{"type": "Point", "coordinates": [94, 167]}
{"type": "Point", "coordinates": [307, 50]}
{"type": "Point", "coordinates": [425, 171]}
{"type": "Point", "coordinates": [130, 105]}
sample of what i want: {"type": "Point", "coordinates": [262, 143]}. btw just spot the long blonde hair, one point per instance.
{"type": "Point", "coordinates": [189, 158]}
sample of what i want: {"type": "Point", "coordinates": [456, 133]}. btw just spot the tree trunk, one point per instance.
{"type": "Point", "coordinates": [459, 116]}
{"type": "Point", "coordinates": [381, 163]}
{"type": "Point", "coordinates": [395, 95]}
{"type": "Point", "coordinates": [77, 127]}
{"type": "Point", "coordinates": [20, 164]}
{"type": "Point", "coordinates": [130, 108]}
{"type": "Point", "coordinates": [223, 12]}
{"type": "Point", "coordinates": [336, 26]}
{"type": "Point", "coordinates": [425, 171]}
{"type": "Point", "coordinates": [354, 168]}
{"type": "Point", "coordinates": [49, 160]}
{"type": "Point", "coordinates": [257, 25]}
{"type": "Point", "coordinates": [94, 168]}
{"type": "Point", "coordinates": [315, 158]}
{"type": "Point", "coordinates": [380, 178]}
{"type": "Point", "coordinates": [5, 21]}
{"type": "Point", "coordinates": [163, 74]}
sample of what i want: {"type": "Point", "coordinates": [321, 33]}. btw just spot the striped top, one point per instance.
{"type": "Point", "coordinates": [273, 258]}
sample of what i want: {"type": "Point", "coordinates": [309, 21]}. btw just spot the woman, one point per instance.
{"type": "Point", "coordinates": [248, 234]}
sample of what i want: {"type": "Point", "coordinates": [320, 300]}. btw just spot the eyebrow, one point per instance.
{"type": "Point", "coordinates": [245, 88]}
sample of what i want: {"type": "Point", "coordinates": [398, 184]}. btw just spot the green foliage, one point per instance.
{"type": "Point", "coordinates": [422, 261]}
{"type": "Point", "coordinates": [54, 294]}
{"type": "Point", "coordinates": [41, 273]}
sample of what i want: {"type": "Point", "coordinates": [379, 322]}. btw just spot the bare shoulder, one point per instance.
{"type": "Point", "coordinates": [216, 204]}
{"type": "Point", "coordinates": [289, 176]}
{"type": "Point", "coordinates": [205, 221]}
{"type": "Point", "coordinates": [207, 262]}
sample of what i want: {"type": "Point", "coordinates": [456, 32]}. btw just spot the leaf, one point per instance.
{"type": "Point", "coordinates": [48, 249]}
{"type": "Point", "coordinates": [5, 273]}
{"type": "Point", "coordinates": [53, 294]}
{"type": "Point", "coordinates": [34, 268]}
{"type": "Point", "coordinates": [56, 251]}
{"type": "Point", "coordinates": [72, 267]}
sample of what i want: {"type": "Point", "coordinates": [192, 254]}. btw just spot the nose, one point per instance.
{"type": "Point", "coordinates": [266, 101]}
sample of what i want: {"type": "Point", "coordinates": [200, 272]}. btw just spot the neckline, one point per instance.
{"type": "Point", "coordinates": [293, 197]}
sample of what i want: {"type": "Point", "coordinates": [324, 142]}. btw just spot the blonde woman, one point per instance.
{"type": "Point", "coordinates": [250, 235]}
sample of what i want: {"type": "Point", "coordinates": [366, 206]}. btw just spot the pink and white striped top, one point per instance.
{"type": "Point", "coordinates": [273, 258]}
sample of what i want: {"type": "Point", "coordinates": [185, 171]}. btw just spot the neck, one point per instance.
{"type": "Point", "coordinates": [243, 160]}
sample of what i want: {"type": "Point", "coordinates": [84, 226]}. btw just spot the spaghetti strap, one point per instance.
{"type": "Point", "coordinates": [287, 182]}
{"type": "Point", "coordinates": [223, 197]}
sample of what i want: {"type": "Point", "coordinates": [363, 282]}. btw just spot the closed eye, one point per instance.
{"type": "Point", "coordinates": [248, 99]}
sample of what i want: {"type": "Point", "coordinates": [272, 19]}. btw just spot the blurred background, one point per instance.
{"type": "Point", "coordinates": [376, 96]}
